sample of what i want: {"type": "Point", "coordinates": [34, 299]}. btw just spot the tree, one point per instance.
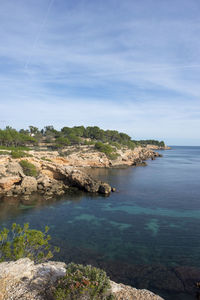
{"type": "Point", "coordinates": [62, 141]}
{"type": "Point", "coordinates": [33, 130]}
{"type": "Point", "coordinates": [20, 242]}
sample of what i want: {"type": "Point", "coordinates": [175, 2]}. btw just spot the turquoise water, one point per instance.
{"type": "Point", "coordinates": [146, 234]}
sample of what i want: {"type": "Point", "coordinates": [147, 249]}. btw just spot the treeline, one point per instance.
{"type": "Point", "coordinates": [77, 135]}
{"type": "Point", "coordinates": [10, 137]}
{"type": "Point", "coordinates": [152, 142]}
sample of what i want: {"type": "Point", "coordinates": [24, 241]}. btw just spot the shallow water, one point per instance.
{"type": "Point", "coordinates": [146, 234]}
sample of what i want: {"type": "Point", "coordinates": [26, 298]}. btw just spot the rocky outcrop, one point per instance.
{"type": "Point", "coordinates": [6, 183]}
{"type": "Point", "coordinates": [23, 280]}
{"type": "Point", "coordinates": [125, 292]}
{"type": "Point", "coordinates": [28, 185]}
{"type": "Point", "coordinates": [52, 179]}
{"type": "Point", "coordinates": [56, 174]}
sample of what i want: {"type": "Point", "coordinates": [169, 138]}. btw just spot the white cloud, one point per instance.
{"type": "Point", "coordinates": [139, 63]}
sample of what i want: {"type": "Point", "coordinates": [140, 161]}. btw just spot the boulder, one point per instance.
{"type": "Point", "coordinates": [23, 280]}
{"type": "Point", "coordinates": [43, 181]}
{"type": "Point", "coordinates": [83, 181]}
{"type": "Point", "coordinates": [104, 188]}
{"type": "Point", "coordinates": [125, 292]}
{"type": "Point", "coordinates": [14, 168]}
{"type": "Point", "coordinates": [29, 185]}
{"type": "Point", "coordinates": [6, 183]}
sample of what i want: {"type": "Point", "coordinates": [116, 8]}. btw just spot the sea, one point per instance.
{"type": "Point", "coordinates": [146, 234]}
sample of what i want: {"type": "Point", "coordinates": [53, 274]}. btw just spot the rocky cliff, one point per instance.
{"type": "Point", "coordinates": [56, 174]}
{"type": "Point", "coordinates": [23, 280]}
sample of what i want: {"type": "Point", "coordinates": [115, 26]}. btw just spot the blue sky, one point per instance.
{"type": "Point", "coordinates": [128, 65]}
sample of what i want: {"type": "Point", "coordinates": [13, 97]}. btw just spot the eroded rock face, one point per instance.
{"type": "Point", "coordinates": [105, 188]}
{"type": "Point", "coordinates": [6, 183]}
{"type": "Point", "coordinates": [28, 185]}
{"type": "Point", "coordinates": [52, 179]}
{"type": "Point", "coordinates": [57, 174]}
{"type": "Point", "coordinates": [22, 280]}
{"type": "Point", "coordinates": [125, 292]}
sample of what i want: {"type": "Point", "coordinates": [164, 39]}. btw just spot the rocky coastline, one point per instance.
{"type": "Point", "coordinates": [56, 174]}
{"type": "Point", "coordinates": [24, 280]}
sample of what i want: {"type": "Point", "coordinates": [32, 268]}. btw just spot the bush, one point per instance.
{"type": "Point", "coordinates": [88, 143]}
{"type": "Point", "coordinates": [46, 159]}
{"type": "Point", "coordinates": [4, 153]}
{"type": "Point", "coordinates": [107, 149]}
{"type": "Point", "coordinates": [19, 154]}
{"type": "Point", "coordinates": [117, 145]}
{"type": "Point", "coordinates": [23, 148]}
{"type": "Point", "coordinates": [66, 153]}
{"type": "Point", "coordinates": [28, 168]}
{"type": "Point", "coordinates": [83, 281]}
{"type": "Point", "coordinates": [20, 242]}
{"type": "Point", "coordinates": [113, 156]}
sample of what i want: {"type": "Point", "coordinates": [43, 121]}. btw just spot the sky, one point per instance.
{"type": "Point", "coordinates": [129, 65]}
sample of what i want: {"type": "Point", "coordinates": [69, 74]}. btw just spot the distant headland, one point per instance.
{"type": "Point", "coordinates": [49, 161]}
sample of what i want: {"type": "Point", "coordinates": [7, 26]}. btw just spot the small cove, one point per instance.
{"type": "Point", "coordinates": [146, 234]}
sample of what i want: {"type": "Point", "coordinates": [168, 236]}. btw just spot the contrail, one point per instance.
{"type": "Point", "coordinates": [39, 34]}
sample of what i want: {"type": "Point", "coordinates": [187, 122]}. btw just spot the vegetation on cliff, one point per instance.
{"type": "Point", "coordinates": [83, 282]}
{"type": "Point", "coordinates": [107, 149]}
{"type": "Point", "coordinates": [77, 135]}
{"type": "Point", "coordinates": [21, 242]}
{"type": "Point", "coordinates": [79, 282]}
{"type": "Point", "coordinates": [28, 168]}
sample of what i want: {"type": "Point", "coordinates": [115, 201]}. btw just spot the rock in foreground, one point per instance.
{"type": "Point", "coordinates": [22, 280]}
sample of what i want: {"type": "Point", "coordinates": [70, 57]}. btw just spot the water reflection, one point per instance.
{"type": "Point", "coordinates": [146, 234]}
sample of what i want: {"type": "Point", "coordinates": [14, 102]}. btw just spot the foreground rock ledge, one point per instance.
{"type": "Point", "coordinates": [23, 280]}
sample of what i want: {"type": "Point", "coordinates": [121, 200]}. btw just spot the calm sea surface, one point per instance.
{"type": "Point", "coordinates": [147, 234]}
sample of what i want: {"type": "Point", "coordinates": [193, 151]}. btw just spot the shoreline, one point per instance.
{"type": "Point", "coordinates": [56, 174]}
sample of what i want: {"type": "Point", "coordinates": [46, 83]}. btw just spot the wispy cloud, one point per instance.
{"type": "Point", "coordinates": [114, 63]}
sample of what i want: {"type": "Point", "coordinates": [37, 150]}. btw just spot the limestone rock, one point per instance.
{"type": "Point", "coordinates": [104, 188]}
{"type": "Point", "coordinates": [125, 292]}
{"type": "Point", "coordinates": [84, 181]}
{"type": "Point", "coordinates": [29, 185]}
{"type": "Point", "coordinates": [56, 173]}
{"type": "Point", "coordinates": [23, 280]}
{"type": "Point", "coordinates": [7, 182]}
{"type": "Point", "coordinates": [14, 168]}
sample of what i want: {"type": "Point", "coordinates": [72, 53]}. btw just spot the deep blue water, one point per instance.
{"type": "Point", "coordinates": [146, 234]}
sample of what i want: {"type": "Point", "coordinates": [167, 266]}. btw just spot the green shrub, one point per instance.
{"type": "Point", "coordinates": [107, 149]}
{"type": "Point", "coordinates": [66, 153]}
{"type": "Point", "coordinates": [28, 168]}
{"type": "Point", "coordinates": [117, 145]}
{"type": "Point", "coordinates": [19, 154]}
{"type": "Point", "coordinates": [20, 242]}
{"type": "Point", "coordinates": [62, 141]}
{"type": "Point", "coordinates": [83, 281]}
{"type": "Point", "coordinates": [45, 159]}
{"type": "Point", "coordinates": [113, 156]}
{"type": "Point", "coordinates": [23, 148]}
{"type": "Point", "coordinates": [88, 143]}
{"type": "Point", "coordinates": [4, 153]}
